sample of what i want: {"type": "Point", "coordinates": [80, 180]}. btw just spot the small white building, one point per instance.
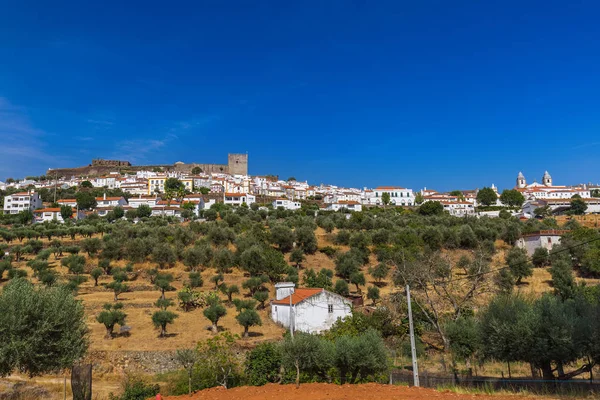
{"type": "Point", "coordinates": [110, 201]}
{"type": "Point", "coordinates": [458, 208]}
{"type": "Point", "coordinates": [17, 202]}
{"type": "Point", "coordinates": [312, 310]}
{"type": "Point", "coordinates": [237, 199]}
{"type": "Point", "coordinates": [546, 239]}
{"type": "Point", "coordinates": [348, 205]}
{"type": "Point", "coordinates": [53, 214]}
{"type": "Point", "coordinates": [151, 200]}
{"type": "Point", "coordinates": [287, 204]}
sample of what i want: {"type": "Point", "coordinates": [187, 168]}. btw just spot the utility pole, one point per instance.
{"type": "Point", "coordinates": [291, 317]}
{"type": "Point", "coordinates": [413, 348]}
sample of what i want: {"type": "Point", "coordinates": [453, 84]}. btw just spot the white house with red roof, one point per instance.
{"type": "Point", "coordinates": [53, 214]}
{"type": "Point", "coordinates": [310, 310]}
{"type": "Point", "coordinates": [237, 199]}
{"type": "Point", "coordinates": [17, 202]}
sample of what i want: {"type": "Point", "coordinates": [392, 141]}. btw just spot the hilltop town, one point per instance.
{"type": "Point", "coordinates": [206, 261]}
{"type": "Point", "coordinates": [230, 184]}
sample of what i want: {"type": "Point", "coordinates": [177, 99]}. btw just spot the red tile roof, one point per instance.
{"type": "Point", "coordinates": [388, 187]}
{"type": "Point", "coordinates": [299, 295]}
{"type": "Point", "coordinates": [43, 210]}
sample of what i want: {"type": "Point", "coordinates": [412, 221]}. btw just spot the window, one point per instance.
{"type": "Point", "coordinates": [330, 308]}
{"type": "Point", "coordinates": [275, 308]}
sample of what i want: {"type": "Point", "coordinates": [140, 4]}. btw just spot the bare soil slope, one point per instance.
{"type": "Point", "coordinates": [324, 391]}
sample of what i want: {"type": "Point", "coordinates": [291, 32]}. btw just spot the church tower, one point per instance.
{"type": "Point", "coordinates": [521, 182]}
{"type": "Point", "coordinates": [547, 179]}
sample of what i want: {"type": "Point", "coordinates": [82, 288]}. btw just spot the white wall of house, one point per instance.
{"type": "Point", "coordinates": [315, 314]}
{"type": "Point", "coordinates": [287, 204]}
{"type": "Point", "coordinates": [536, 240]}
{"type": "Point", "coordinates": [15, 203]}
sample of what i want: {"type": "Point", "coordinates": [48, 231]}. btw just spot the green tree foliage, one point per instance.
{"type": "Point", "coordinates": [144, 211]}
{"type": "Point", "coordinates": [163, 255]}
{"type": "Point", "coordinates": [373, 294]}
{"type": "Point", "coordinates": [96, 273]}
{"type": "Point", "coordinates": [360, 356]}
{"type": "Point", "coordinates": [66, 212]}
{"type": "Point", "coordinates": [163, 283]}
{"type": "Point", "coordinates": [283, 237]}
{"type": "Point", "coordinates": [111, 315]}
{"type": "Point", "coordinates": [229, 291]}
{"type": "Point", "coordinates": [347, 264]}
{"type": "Point", "coordinates": [187, 358]}
{"type": "Point", "coordinates": [578, 207]}
{"type": "Point", "coordinates": [220, 360]}
{"type": "Point", "coordinates": [200, 255]}
{"type": "Point", "coordinates": [43, 330]}
{"type": "Point", "coordinates": [248, 318]}
{"type": "Point", "coordinates": [512, 198]}
{"type": "Point", "coordinates": [431, 208]}
{"type": "Point", "coordinates": [263, 363]}
{"type": "Point", "coordinates": [322, 279]}
{"type": "Point", "coordinates": [91, 246]}
{"type": "Point", "coordinates": [519, 264]}
{"type": "Point", "coordinates": [540, 257]}
{"type": "Point", "coordinates": [306, 239]}
{"type": "Point", "coordinates": [306, 353]}
{"type": "Point", "coordinates": [161, 319]}
{"type": "Point", "coordinates": [297, 257]}
{"type": "Point", "coordinates": [86, 200]}
{"type": "Point", "coordinates": [379, 272]}
{"type": "Point", "coordinates": [465, 338]}
{"type": "Point", "coordinates": [214, 312]}
{"type": "Point", "coordinates": [562, 279]}
{"type": "Point", "coordinates": [261, 296]}
{"type": "Point", "coordinates": [195, 280]}
{"type": "Point", "coordinates": [358, 278]}
{"type": "Point", "coordinates": [341, 287]}
{"type": "Point", "coordinates": [385, 198]}
{"type": "Point", "coordinates": [487, 196]}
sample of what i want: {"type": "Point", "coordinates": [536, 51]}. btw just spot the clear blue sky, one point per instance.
{"type": "Point", "coordinates": [414, 93]}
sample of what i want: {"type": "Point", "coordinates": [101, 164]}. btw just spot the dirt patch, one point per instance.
{"type": "Point", "coordinates": [323, 391]}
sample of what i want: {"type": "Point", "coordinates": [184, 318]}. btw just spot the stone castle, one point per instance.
{"type": "Point", "coordinates": [237, 164]}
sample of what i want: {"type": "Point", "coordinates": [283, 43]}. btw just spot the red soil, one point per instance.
{"type": "Point", "coordinates": [323, 391]}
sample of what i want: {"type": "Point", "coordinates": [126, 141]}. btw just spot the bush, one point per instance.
{"type": "Point", "coordinates": [135, 388]}
{"type": "Point", "coordinates": [262, 364]}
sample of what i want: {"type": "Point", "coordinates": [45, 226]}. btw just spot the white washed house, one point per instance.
{"type": "Point", "coordinates": [237, 199]}
{"type": "Point", "coordinates": [312, 310]}
{"type": "Point", "coordinates": [17, 202]}
{"type": "Point", "coordinates": [53, 214]}
{"type": "Point", "coordinates": [287, 204]}
{"type": "Point", "coordinates": [348, 205]}
{"type": "Point", "coordinates": [546, 239]}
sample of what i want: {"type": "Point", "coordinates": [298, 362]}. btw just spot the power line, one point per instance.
{"type": "Point", "coordinates": [505, 267]}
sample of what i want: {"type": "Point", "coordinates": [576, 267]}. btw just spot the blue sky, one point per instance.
{"type": "Point", "coordinates": [423, 93]}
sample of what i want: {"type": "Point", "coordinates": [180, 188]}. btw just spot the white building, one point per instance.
{"type": "Point", "coordinates": [547, 190]}
{"type": "Point", "coordinates": [17, 202]}
{"type": "Point", "coordinates": [558, 206]}
{"type": "Point", "coordinates": [546, 239]}
{"type": "Point", "coordinates": [287, 204]}
{"type": "Point", "coordinates": [67, 202]}
{"type": "Point", "coordinates": [110, 201]}
{"type": "Point", "coordinates": [458, 208]}
{"type": "Point", "coordinates": [399, 196]}
{"type": "Point", "coordinates": [311, 310]}
{"type": "Point", "coordinates": [149, 200]}
{"type": "Point", "coordinates": [237, 199]}
{"type": "Point", "coordinates": [53, 214]}
{"type": "Point", "coordinates": [348, 205]}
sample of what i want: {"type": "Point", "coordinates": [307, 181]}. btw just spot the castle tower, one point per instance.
{"type": "Point", "coordinates": [521, 182]}
{"type": "Point", "coordinates": [547, 179]}
{"type": "Point", "coordinates": [237, 164]}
